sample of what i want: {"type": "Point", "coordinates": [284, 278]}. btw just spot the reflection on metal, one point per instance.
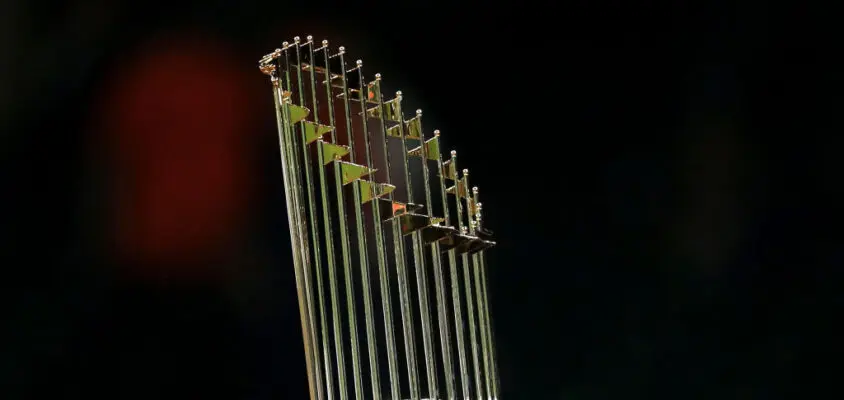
{"type": "Point", "coordinates": [459, 189]}
{"type": "Point", "coordinates": [331, 152]}
{"type": "Point", "coordinates": [448, 171]}
{"type": "Point", "coordinates": [331, 180]}
{"type": "Point", "coordinates": [314, 131]}
{"type": "Point", "coordinates": [371, 190]}
{"type": "Point", "coordinates": [352, 172]}
{"type": "Point", "coordinates": [297, 113]}
{"type": "Point", "coordinates": [391, 110]}
{"type": "Point", "coordinates": [414, 127]}
{"type": "Point", "coordinates": [432, 149]}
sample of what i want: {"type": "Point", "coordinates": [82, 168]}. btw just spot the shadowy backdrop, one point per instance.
{"type": "Point", "coordinates": [645, 168]}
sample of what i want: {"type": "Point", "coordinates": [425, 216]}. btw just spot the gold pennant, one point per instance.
{"type": "Point", "coordinates": [435, 233]}
{"type": "Point", "coordinates": [370, 190]}
{"type": "Point", "coordinates": [399, 208]}
{"type": "Point", "coordinates": [330, 151]}
{"type": "Point", "coordinates": [390, 209]}
{"type": "Point", "coordinates": [448, 170]}
{"type": "Point", "coordinates": [414, 128]}
{"type": "Point", "coordinates": [391, 111]}
{"type": "Point", "coordinates": [411, 222]}
{"type": "Point", "coordinates": [471, 206]}
{"type": "Point", "coordinates": [297, 113]}
{"type": "Point", "coordinates": [373, 92]}
{"type": "Point", "coordinates": [408, 207]}
{"type": "Point", "coordinates": [336, 80]}
{"type": "Point", "coordinates": [373, 112]}
{"type": "Point", "coordinates": [314, 131]}
{"type": "Point", "coordinates": [455, 242]}
{"type": "Point", "coordinates": [459, 189]}
{"type": "Point", "coordinates": [432, 149]}
{"type": "Point", "coordinates": [394, 131]}
{"type": "Point", "coordinates": [352, 172]}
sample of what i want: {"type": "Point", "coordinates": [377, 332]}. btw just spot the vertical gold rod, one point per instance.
{"type": "Point", "coordinates": [301, 222]}
{"type": "Point", "coordinates": [442, 316]}
{"type": "Point", "coordinates": [487, 313]}
{"type": "Point", "coordinates": [368, 312]}
{"type": "Point", "coordinates": [284, 135]}
{"type": "Point", "coordinates": [472, 330]}
{"type": "Point", "coordinates": [306, 166]}
{"type": "Point", "coordinates": [470, 307]}
{"type": "Point", "coordinates": [401, 275]}
{"type": "Point", "coordinates": [380, 250]}
{"type": "Point", "coordinates": [347, 262]}
{"type": "Point", "coordinates": [482, 328]}
{"type": "Point", "coordinates": [350, 291]}
{"type": "Point", "coordinates": [326, 350]}
{"type": "Point", "coordinates": [332, 270]}
{"type": "Point", "coordinates": [455, 281]}
{"type": "Point", "coordinates": [491, 343]}
{"type": "Point", "coordinates": [419, 265]}
{"type": "Point", "coordinates": [398, 248]}
{"type": "Point", "coordinates": [439, 281]}
{"type": "Point", "coordinates": [421, 275]}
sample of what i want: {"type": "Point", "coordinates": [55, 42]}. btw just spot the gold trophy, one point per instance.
{"type": "Point", "coordinates": [342, 145]}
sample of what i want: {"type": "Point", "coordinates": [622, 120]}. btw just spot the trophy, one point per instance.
{"type": "Point", "coordinates": [360, 179]}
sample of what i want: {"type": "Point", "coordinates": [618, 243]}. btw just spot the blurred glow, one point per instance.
{"type": "Point", "coordinates": [176, 118]}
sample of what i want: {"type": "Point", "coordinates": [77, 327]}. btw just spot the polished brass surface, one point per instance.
{"type": "Point", "coordinates": [413, 127]}
{"type": "Point", "coordinates": [331, 152]}
{"type": "Point", "coordinates": [432, 149]}
{"type": "Point", "coordinates": [459, 189]}
{"type": "Point", "coordinates": [314, 131]}
{"type": "Point", "coordinates": [352, 172]}
{"type": "Point", "coordinates": [371, 190]}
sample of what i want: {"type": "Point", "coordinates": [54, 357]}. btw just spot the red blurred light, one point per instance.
{"type": "Point", "coordinates": [176, 118]}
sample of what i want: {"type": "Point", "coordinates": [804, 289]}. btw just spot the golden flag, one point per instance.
{"type": "Point", "coordinates": [373, 92]}
{"type": "Point", "coordinates": [414, 128]}
{"type": "Point", "coordinates": [370, 190]}
{"type": "Point", "coordinates": [351, 172]}
{"type": "Point", "coordinates": [297, 113]}
{"type": "Point", "coordinates": [314, 131]}
{"type": "Point", "coordinates": [448, 171]}
{"type": "Point", "coordinates": [394, 131]}
{"type": "Point", "coordinates": [435, 233]}
{"type": "Point", "coordinates": [432, 149]}
{"type": "Point", "coordinates": [330, 151]}
{"type": "Point", "coordinates": [471, 206]}
{"type": "Point", "coordinates": [459, 189]}
{"type": "Point", "coordinates": [391, 110]}
{"type": "Point", "coordinates": [412, 222]}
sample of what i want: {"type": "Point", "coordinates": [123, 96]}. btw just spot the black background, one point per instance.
{"type": "Point", "coordinates": [654, 173]}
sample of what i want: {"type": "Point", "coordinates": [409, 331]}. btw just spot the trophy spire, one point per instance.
{"type": "Point", "coordinates": [341, 144]}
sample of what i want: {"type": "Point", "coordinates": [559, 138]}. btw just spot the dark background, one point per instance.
{"type": "Point", "coordinates": [653, 172]}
